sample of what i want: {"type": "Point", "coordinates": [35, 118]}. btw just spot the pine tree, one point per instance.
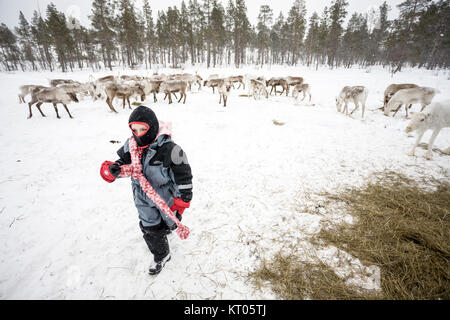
{"type": "Point", "coordinates": [185, 31]}
{"type": "Point", "coordinates": [378, 36]}
{"type": "Point", "coordinates": [149, 32]}
{"type": "Point", "coordinates": [25, 39]}
{"type": "Point", "coordinates": [161, 33]}
{"type": "Point", "coordinates": [241, 33]}
{"type": "Point", "coordinates": [218, 30]}
{"type": "Point", "coordinates": [354, 42]}
{"type": "Point", "coordinates": [102, 23]}
{"type": "Point", "coordinates": [265, 19]}
{"type": "Point", "coordinates": [337, 15]}
{"type": "Point", "coordinates": [312, 41]}
{"type": "Point", "coordinates": [276, 38]}
{"type": "Point", "coordinates": [129, 32]}
{"type": "Point", "coordinates": [9, 51]}
{"type": "Point", "coordinates": [400, 41]}
{"type": "Point", "coordinates": [297, 23]}
{"type": "Point", "coordinates": [88, 46]}
{"type": "Point", "coordinates": [323, 37]}
{"type": "Point", "coordinates": [59, 33]}
{"type": "Point", "coordinates": [42, 39]}
{"type": "Point", "coordinates": [429, 33]}
{"type": "Point", "coordinates": [172, 35]}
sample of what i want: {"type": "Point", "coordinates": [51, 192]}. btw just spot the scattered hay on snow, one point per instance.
{"type": "Point", "coordinates": [399, 224]}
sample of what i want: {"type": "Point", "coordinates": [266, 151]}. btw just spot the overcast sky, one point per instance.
{"type": "Point", "coordinates": [9, 9]}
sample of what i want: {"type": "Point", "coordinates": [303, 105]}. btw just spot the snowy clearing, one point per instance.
{"type": "Point", "coordinates": [67, 234]}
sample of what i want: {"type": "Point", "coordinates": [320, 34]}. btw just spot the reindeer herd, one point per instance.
{"type": "Point", "coordinates": [65, 91]}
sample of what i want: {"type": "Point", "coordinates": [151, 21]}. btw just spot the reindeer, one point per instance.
{"type": "Point", "coordinates": [293, 81]}
{"type": "Point", "coordinates": [26, 90]}
{"type": "Point", "coordinates": [159, 77]}
{"type": "Point", "coordinates": [82, 89]}
{"type": "Point", "coordinates": [198, 81]}
{"type": "Point", "coordinates": [151, 86]}
{"type": "Point", "coordinates": [422, 95]}
{"type": "Point", "coordinates": [239, 79]}
{"type": "Point", "coordinates": [392, 89]}
{"type": "Point", "coordinates": [247, 81]}
{"type": "Point", "coordinates": [52, 95]}
{"type": "Point", "coordinates": [172, 86]}
{"type": "Point", "coordinates": [358, 94]}
{"type": "Point", "coordinates": [106, 79]}
{"type": "Point", "coordinates": [224, 88]}
{"type": "Point", "coordinates": [56, 82]}
{"type": "Point", "coordinates": [305, 88]}
{"type": "Point", "coordinates": [189, 78]}
{"type": "Point", "coordinates": [274, 82]}
{"type": "Point", "coordinates": [135, 78]}
{"type": "Point", "coordinates": [212, 83]}
{"type": "Point", "coordinates": [258, 87]}
{"type": "Point", "coordinates": [100, 84]}
{"type": "Point", "coordinates": [435, 118]}
{"type": "Point", "coordinates": [124, 91]}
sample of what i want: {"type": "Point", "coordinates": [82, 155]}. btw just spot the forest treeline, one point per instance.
{"type": "Point", "coordinates": [205, 32]}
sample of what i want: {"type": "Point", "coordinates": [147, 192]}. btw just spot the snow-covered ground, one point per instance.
{"type": "Point", "coordinates": [67, 234]}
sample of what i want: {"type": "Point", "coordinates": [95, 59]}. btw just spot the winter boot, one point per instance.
{"type": "Point", "coordinates": [156, 267]}
{"type": "Point", "coordinates": [157, 243]}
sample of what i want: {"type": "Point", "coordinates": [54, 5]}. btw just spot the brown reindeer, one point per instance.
{"type": "Point", "coordinates": [56, 82]}
{"type": "Point", "coordinates": [305, 88]}
{"type": "Point", "coordinates": [257, 88]}
{"type": "Point", "coordinates": [100, 85]}
{"type": "Point", "coordinates": [293, 81]}
{"type": "Point", "coordinates": [212, 83]}
{"type": "Point", "coordinates": [125, 77]}
{"type": "Point", "coordinates": [106, 79]}
{"type": "Point", "coordinates": [151, 86]}
{"type": "Point", "coordinates": [239, 79]}
{"type": "Point", "coordinates": [52, 95]}
{"type": "Point", "coordinates": [274, 82]}
{"type": "Point", "coordinates": [172, 86]}
{"type": "Point", "coordinates": [124, 91]}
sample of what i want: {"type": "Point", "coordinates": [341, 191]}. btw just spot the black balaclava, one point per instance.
{"type": "Point", "coordinates": [146, 116]}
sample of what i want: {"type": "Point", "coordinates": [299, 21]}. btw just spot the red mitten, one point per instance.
{"type": "Point", "coordinates": [179, 205]}
{"type": "Point", "coordinates": [105, 173]}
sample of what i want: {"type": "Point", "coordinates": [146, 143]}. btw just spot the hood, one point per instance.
{"type": "Point", "coordinates": [163, 133]}
{"type": "Point", "coordinates": [145, 116]}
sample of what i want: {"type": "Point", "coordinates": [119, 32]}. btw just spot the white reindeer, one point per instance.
{"type": "Point", "coordinates": [26, 90]}
{"type": "Point", "coordinates": [392, 89]}
{"type": "Point", "coordinates": [436, 118]}
{"type": "Point", "coordinates": [224, 88]}
{"type": "Point", "coordinates": [357, 94]}
{"type": "Point", "coordinates": [422, 95]}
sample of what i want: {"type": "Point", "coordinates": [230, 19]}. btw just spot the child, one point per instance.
{"type": "Point", "coordinates": [165, 167]}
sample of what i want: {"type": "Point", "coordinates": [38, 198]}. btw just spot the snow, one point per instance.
{"type": "Point", "coordinates": [67, 234]}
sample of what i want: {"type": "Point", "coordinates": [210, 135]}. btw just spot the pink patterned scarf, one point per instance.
{"type": "Point", "coordinates": [135, 170]}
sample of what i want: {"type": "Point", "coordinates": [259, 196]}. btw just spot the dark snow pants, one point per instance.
{"type": "Point", "coordinates": [156, 239]}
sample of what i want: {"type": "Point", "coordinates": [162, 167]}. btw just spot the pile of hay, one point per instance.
{"type": "Point", "coordinates": [401, 225]}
